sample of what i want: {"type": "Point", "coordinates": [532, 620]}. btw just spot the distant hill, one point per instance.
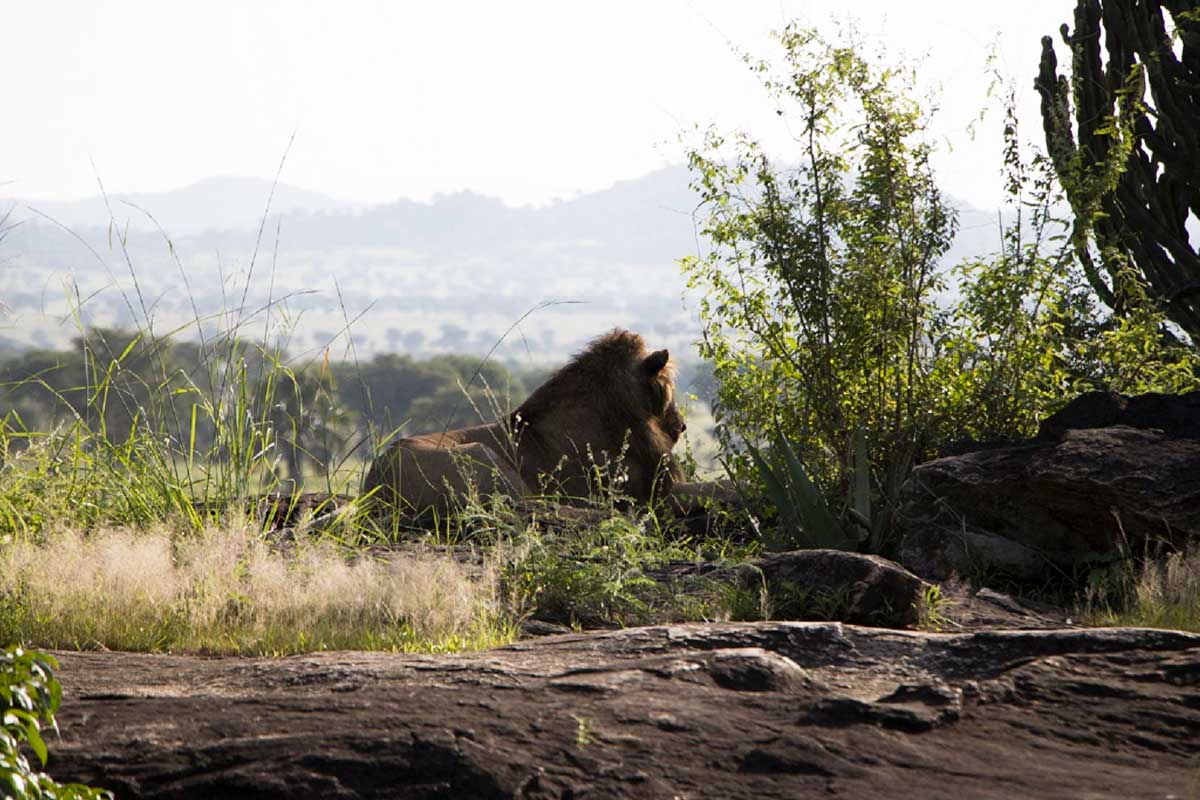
{"type": "Point", "coordinates": [209, 204]}
{"type": "Point", "coordinates": [449, 275]}
{"type": "Point", "coordinates": [646, 220]}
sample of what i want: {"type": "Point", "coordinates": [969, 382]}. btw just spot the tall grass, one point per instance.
{"type": "Point", "coordinates": [1163, 593]}
{"type": "Point", "coordinates": [226, 590]}
{"type": "Point", "coordinates": [125, 484]}
{"type": "Point", "coordinates": [127, 447]}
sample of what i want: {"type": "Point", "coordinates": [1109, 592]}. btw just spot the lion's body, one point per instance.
{"type": "Point", "coordinates": [611, 406]}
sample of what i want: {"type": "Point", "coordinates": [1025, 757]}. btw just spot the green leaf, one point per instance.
{"type": "Point", "coordinates": [800, 500]}
{"type": "Point", "coordinates": [861, 499]}
{"type": "Point", "coordinates": [34, 736]}
{"type": "Point", "coordinates": [776, 491]}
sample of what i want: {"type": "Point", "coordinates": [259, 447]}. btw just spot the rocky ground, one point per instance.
{"type": "Point", "coordinates": [767, 709]}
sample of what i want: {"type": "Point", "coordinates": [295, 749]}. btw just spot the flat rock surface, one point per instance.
{"type": "Point", "coordinates": [768, 709]}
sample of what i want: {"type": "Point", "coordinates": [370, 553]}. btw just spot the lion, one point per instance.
{"type": "Point", "coordinates": [612, 405]}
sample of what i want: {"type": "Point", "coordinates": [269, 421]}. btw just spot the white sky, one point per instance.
{"type": "Point", "coordinates": [524, 100]}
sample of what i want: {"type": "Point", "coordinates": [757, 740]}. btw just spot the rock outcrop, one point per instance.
{"type": "Point", "coordinates": [1176, 415]}
{"type": "Point", "coordinates": [1091, 487]}
{"type": "Point", "coordinates": [853, 587]}
{"type": "Point", "coordinates": [827, 585]}
{"type": "Point", "coordinates": [758, 710]}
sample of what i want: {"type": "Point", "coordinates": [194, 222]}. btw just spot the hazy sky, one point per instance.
{"type": "Point", "coordinates": [524, 100]}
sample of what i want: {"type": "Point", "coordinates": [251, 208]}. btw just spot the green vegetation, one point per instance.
{"type": "Point", "coordinates": [29, 697]}
{"type": "Point", "coordinates": [598, 575]}
{"type": "Point", "coordinates": [843, 351]}
{"type": "Point", "coordinates": [820, 282]}
{"type": "Point", "coordinates": [1163, 592]}
{"type": "Point", "coordinates": [930, 609]}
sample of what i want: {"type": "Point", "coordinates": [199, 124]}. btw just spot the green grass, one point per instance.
{"type": "Point", "coordinates": [1163, 593]}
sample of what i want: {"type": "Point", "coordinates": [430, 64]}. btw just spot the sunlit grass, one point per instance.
{"type": "Point", "coordinates": [226, 590]}
{"type": "Point", "coordinates": [1165, 593]}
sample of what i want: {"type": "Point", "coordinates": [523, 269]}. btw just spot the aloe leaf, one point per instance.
{"type": "Point", "coordinates": [821, 526]}
{"type": "Point", "coordinates": [776, 491]}
{"type": "Point", "coordinates": [861, 499]}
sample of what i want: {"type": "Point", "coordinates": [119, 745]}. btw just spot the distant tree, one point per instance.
{"type": "Point", "coordinates": [453, 337]}
{"type": "Point", "coordinates": [309, 426]}
{"type": "Point", "coordinates": [1131, 165]}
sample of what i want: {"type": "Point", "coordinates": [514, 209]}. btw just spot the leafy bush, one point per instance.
{"type": "Point", "coordinates": [29, 697]}
{"type": "Point", "coordinates": [1030, 332]}
{"type": "Point", "coordinates": [819, 288]}
{"type": "Point", "coordinates": [833, 328]}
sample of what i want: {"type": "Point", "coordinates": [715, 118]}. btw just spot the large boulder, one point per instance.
{"type": "Point", "coordinates": [833, 585]}
{"type": "Point", "coordinates": [839, 585]}
{"type": "Point", "coordinates": [1107, 476]}
{"type": "Point", "coordinates": [1176, 415]}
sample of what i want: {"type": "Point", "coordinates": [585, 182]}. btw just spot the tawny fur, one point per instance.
{"type": "Point", "coordinates": [612, 404]}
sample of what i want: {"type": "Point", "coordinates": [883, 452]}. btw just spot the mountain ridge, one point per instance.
{"type": "Point", "coordinates": [213, 203]}
{"type": "Point", "coordinates": [644, 219]}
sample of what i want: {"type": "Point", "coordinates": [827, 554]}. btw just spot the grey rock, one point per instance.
{"type": "Point", "coordinates": [1176, 416]}
{"type": "Point", "coordinates": [863, 589]}
{"type": "Point", "coordinates": [1051, 504]}
{"type": "Point", "coordinates": [761, 710]}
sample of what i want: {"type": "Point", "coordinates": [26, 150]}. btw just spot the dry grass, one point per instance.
{"type": "Point", "coordinates": [225, 590]}
{"type": "Point", "coordinates": [1164, 594]}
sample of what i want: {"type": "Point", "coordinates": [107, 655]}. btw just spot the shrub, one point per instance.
{"type": "Point", "coordinates": [29, 697]}
{"type": "Point", "coordinates": [832, 326]}
{"type": "Point", "coordinates": [820, 283]}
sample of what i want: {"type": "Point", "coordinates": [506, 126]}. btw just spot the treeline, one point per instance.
{"type": "Point", "coordinates": [319, 411]}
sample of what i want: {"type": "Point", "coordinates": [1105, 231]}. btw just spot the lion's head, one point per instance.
{"type": "Point", "coordinates": [613, 397]}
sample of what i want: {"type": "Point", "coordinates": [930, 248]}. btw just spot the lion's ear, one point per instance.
{"type": "Point", "coordinates": [655, 362]}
